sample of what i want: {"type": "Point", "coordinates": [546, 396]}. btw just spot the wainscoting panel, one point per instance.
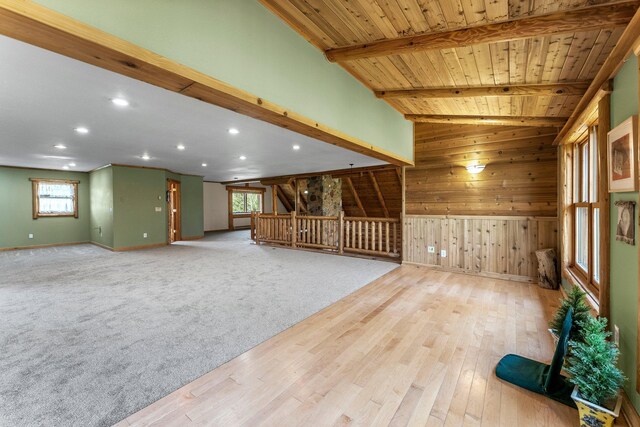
{"type": "Point", "coordinates": [488, 246]}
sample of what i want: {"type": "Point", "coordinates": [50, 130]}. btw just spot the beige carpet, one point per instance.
{"type": "Point", "coordinates": [90, 336]}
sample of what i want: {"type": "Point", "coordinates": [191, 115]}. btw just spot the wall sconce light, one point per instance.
{"type": "Point", "coordinates": [477, 168]}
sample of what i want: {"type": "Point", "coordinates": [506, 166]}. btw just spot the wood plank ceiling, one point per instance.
{"type": "Point", "coordinates": [487, 61]}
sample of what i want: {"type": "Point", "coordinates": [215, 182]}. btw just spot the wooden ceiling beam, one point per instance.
{"type": "Point", "coordinates": [573, 88]}
{"type": "Point", "coordinates": [355, 195]}
{"type": "Point", "coordinates": [626, 44]}
{"type": "Point", "coordinates": [284, 199]}
{"type": "Point", "coordinates": [488, 120]}
{"type": "Point", "coordinates": [283, 179]}
{"type": "Point", "coordinates": [376, 187]}
{"type": "Point", "coordinates": [562, 22]}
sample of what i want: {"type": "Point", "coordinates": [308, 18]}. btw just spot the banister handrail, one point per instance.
{"type": "Point", "coordinates": [357, 235]}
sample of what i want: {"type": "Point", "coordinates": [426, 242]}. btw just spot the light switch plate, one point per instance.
{"type": "Point", "coordinates": [431, 249]}
{"type": "Point", "coordinates": [443, 253]}
{"type": "Point", "coordinates": [616, 335]}
{"type": "Point", "coordinates": [30, 236]}
{"type": "Point", "coordinates": [144, 235]}
{"type": "Point", "coordinates": [158, 209]}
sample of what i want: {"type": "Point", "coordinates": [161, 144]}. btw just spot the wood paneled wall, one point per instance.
{"type": "Point", "coordinates": [489, 246]}
{"type": "Point", "coordinates": [520, 177]}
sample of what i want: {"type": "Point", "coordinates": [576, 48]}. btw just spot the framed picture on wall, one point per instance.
{"type": "Point", "coordinates": [622, 156]}
{"type": "Point", "coordinates": [625, 230]}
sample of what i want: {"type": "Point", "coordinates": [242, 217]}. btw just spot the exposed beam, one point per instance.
{"type": "Point", "coordinates": [574, 88]}
{"type": "Point", "coordinates": [303, 201]}
{"type": "Point", "coordinates": [282, 179]}
{"type": "Point", "coordinates": [488, 120]}
{"type": "Point", "coordinates": [399, 173]}
{"type": "Point", "coordinates": [37, 25]}
{"type": "Point", "coordinates": [561, 22]}
{"type": "Point", "coordinates": [376, 187]}
{"type": "Point", "coordinates": [283, 198]}
{"type": "Point", "coordinates": [355, 195]}
{"type": "Point", "coordinates": [625, 45]}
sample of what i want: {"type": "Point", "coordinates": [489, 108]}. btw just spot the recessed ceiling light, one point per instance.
{"type": "Point", "coordinates": [180, 147]}
{"type": "Point", "coordinates": [234, 131]}
{"type": "Point", "coordinates": [65, 167]}
{"type": "Point", "coordinates": [82, 130]}
{"type": "Point", "coordinates": [204, 165]}
{"type": "Point", "coordinates": [120, 102]}
{"type": "Point", "coordinates": [306, 191]}
{"type": "Point", "coordinates": [60, 146]}
{"type": "Point", "coordinates": [296, 147]}
{"type": "Point", "coordinates": [145, 157]}
{"type": "Point", "coordinates": [72, 165]}
{"type": "Point", "coordinates": [243, 157]}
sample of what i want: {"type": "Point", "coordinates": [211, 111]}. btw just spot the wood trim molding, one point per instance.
{"type": "Point", "coordinates": [487, 120]}
{"type": "Point", "coordinates": [39, 26]}
{"type": "Point", "coordinates": [135, 248]}
{"type": "Point", "coordinates": [239, 189]}
{"type": "Point", "coordinates": [573, 88]}
{"type": "Point", "coordinates": [50, 245]}
{"type": "Point", "coordinates": [192, 237]}
{"type": "Point", "coordinates": [510, 277]}
{"type": "Point", "coordinates": [561, 22]}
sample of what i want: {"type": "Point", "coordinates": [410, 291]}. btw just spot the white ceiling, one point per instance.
{"type": "Point", "coordinates": [44, 96]}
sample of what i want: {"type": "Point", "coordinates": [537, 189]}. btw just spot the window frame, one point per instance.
{"type": "Point", "coordinates": [35, 185]}
{"type": "Point", "coordinates": [590, 201]}
{"type": "Point", "coordinates": [244, 196]}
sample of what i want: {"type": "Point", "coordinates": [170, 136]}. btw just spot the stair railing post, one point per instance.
{"type": "Point", "coordinates": [294, 229]}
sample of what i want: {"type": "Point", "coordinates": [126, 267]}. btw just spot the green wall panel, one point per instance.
{"type": "Point", "coordinates": [136, 194]}
{"type": "Point", "coordinates": [101, 193]}
{"type": "Point", "coordinates": [16, 217]}
{"type": "Point", "coordinates": [192, 205]}
{"type": "Point", "coordinates": [624, 258]}
{"type": "Point", "coordinates": [245, 45]}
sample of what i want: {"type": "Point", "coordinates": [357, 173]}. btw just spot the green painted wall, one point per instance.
{"type": "Point", "coordinates": [243, 44]}
{"type": "Point", "coordinates": [624, 258]}
{"type": "Point", "coordinates": [192, 205]}
{"type": "Point", "coordinates": [16, 216]}
{"type": "Point", "coordinates": [136, 194]}
{"type": "Point", "coordinates": [101, 194]}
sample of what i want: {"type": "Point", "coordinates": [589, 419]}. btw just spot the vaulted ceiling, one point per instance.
{"type": "Point", "coordinates": [466, 61]}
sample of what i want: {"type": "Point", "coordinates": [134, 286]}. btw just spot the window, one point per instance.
{"type": "Point", "coordinates": [245, 202]}
{"type": "Point", "coordinates": [585, 261]}
{"type": "Point", "coordinates": [54, 198]}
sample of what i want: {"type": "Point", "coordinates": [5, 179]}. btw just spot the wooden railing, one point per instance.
{"type": "Point", "coordinates": [366, 236]}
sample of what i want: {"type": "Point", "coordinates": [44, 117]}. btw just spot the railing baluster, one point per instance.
{"type": "Point", "coordinates": [387, 236]}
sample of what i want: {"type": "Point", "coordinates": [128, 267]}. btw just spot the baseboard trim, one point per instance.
{"type": "Point", "coordinates": [50, 245]}
{"type": "Point", "coordinates": [192, 237]}
{"type": "Point", "coordinates": [100, 245]}
{"type": "Point", "coordinates": [135, 248]}
{"type": "Point", "coordinates": [629, 412]}
{"type": "Point", "coordinates": [523, 279]}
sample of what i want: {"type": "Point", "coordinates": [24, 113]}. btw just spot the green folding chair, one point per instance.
{"type": "Point", "coordinates": [539, 377]}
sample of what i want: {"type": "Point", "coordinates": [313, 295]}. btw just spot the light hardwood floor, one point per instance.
{"type": "Point", "coordinates": [416, 347]}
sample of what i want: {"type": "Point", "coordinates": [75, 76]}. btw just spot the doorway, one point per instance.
{"type": "Point", "coordinates": [173, 200]}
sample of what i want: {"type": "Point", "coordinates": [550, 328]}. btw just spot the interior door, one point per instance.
{"type": "Point", "coordinates": [173, 199]}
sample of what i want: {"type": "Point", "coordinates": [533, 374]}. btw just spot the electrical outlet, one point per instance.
{"type": "Point", "coordinates": [616, 335]}
{"type": "Point", "coordinates": [443, 253]}
{"type": "Point", "coordinates": [431, 249]}
{"type": "Point", "coordinates": [30, 236]}
{"type": "Point", "coordinates": [144, 235]}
